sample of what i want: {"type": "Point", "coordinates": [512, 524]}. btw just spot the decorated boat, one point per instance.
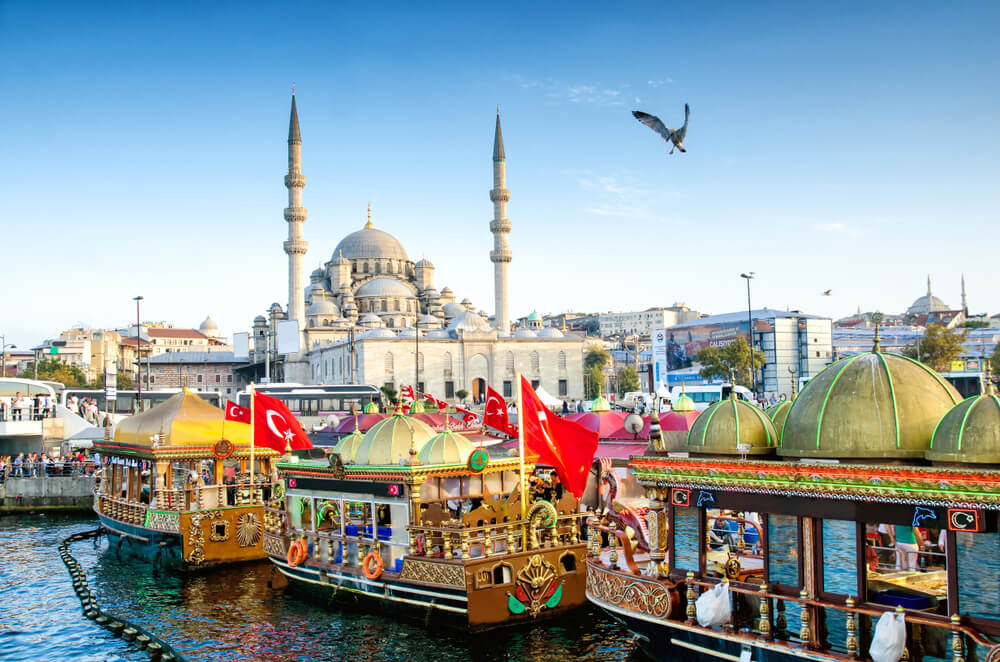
{"type": "Point", "coordinates": [430, 525]}
{"type": "Point", "coordinates": [864, 527]}
{"type": "Point", "coordinates": [182, 487]}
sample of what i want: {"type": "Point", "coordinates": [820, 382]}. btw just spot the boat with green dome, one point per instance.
{"type": "Point", "coordinates": [788, 534]}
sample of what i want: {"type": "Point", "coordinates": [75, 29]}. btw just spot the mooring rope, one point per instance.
{"type": "Point", "coordinates": [156, 648]}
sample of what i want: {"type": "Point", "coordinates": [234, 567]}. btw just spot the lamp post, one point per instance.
{"type": "Point", "coordinates": [753, 364]}
{"type": "Point", "coordinates": [3, 355]}
{"type": "Point", "coordinates": [138, 356]}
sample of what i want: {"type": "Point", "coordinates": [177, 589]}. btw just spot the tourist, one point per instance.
{"type": "Point", "coordinates": [579, 406]}
{"type": "Point", "coordinates": [565, 408]}
{"type": "Point", "coordinates": [908, 544]}
{"type": "Point", "coordinates": [4, 407]}
{"type": "Point", "coordinates": [18, 465]}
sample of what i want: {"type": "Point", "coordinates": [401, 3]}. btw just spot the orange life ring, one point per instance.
{"type": "Point", "coordinates": [298, 552]}
{"type": "Point", "coordinates": [367, 565]}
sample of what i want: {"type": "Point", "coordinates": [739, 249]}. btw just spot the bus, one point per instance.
{"type": "Point", "coordinates": [313, 403]}
{"type": "Point", "coordinates": [967, 383]}
{"type": "Point", "coordinates": [124, 404]}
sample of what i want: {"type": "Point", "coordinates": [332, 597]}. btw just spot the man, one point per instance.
{"type": "Point", "coordinates": [565, 408]}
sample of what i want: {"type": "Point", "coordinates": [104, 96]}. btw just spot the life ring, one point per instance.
{"type": "Point", "coordinates": [298, 552]}
{"type": "Point", "coordinates": [366, 566]}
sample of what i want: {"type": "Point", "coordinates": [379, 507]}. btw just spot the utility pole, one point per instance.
{"type": "Point", "coordinates": [138, 355]}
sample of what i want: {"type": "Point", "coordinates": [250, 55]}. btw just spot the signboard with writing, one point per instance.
{"type": "Point", "coordinates": [111, 382]}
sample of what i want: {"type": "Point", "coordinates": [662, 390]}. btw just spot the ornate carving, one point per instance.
{"type": "Point", "coordinates": [535, 587]}
{"type": "Point", "coordinates": [169, 522]}
{"type": "Point", "coordinates": [428, 572]}
{"type": "Point", "coordinates": [248, 529]}
{"type": "Point", "coordinates": [196, 536]}
{"type": "Point", "coordinates": [223, 448]}
{"type": "Point", "coordinates": [216, 534]}
{"type": "Point", "coordinates": [631, 593]}
{"type": "Point", "coordinates": [274, 546]}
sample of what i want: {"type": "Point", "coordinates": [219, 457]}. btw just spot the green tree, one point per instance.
{"type": "Point", "coordinates": [594, 378]}
{"type": "Point", "coordinates": [939, 347]}
{"type": "Point", "coordinates": [597, 356]}
{"type": "Point", "coordinates": [591, 327]}
{"type": "Point", "coordinates": [54, 370]}
{"type": "Point", "coordinates": [390, 394]}
{"type": "Point", "coordinates": [733, 357]}
{"type": "Point", "coordinates": [461, 394]}
{"type": "Point", "coordinates": [628, 380]}
{"type": "Point", "coordinates": [975, 324]}
{"type": "Point", "coordinates": [124, 381]}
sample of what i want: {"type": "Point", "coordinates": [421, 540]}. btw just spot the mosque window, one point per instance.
{"type": "Point", "coordinates": [388, 362]}
{"type": "Point", "coordinates": [508, 388]}
{"type": "Point", "coordinates": [510, 362]}
{"type": "Point", "coordinates": [378, 267]}
{"type": "Point", "coordinates": [366, 267]}
{"type": "Point", "coordinates": [391, 323]}
{"type": "Point", "coordinates": [563, 388]}
{"type": "Point", "coordinates": [534, 361]}
{"type": "Point", "coordinates": [385, 305]}
{"type": "Point", "coordinates": [420, 361]}
{"type": "Point", "coordinates": [449, 390]}
{"type": "Point", "coordinates": [562, 360]}
{"type": "Point", "coordinates": [446, 364]}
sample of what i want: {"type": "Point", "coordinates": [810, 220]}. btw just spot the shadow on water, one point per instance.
{"type": "Point", "coordinates": [232, 614]}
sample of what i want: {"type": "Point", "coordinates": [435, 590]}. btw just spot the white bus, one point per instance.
{"type": "Point", "coordinates": [705, 394]}
{"type": "Point", "coordinates": [311, 404]}
{"type": "Point", "coordinates": [125, 403]}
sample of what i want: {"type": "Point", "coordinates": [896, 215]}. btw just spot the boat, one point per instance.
{"type": "Point", "coordinates": [792, 543]}
{"type": "Point", "coordinates": [427, 525]}
{"type": "Point", "coordinates": [176, 486]}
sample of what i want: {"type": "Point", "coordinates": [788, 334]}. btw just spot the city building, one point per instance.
{"type": "Point", "coordinates": [644, 322]}
{"type": "Point", "coordinates": [359, 316]}
{"type": "Point", "coordinates": [796, 347]}
{"type": "Point", "coordinates": [203, 371]}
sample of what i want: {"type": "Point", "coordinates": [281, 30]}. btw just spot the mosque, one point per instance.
{"type": "Point", "coordinates": [372, 315]}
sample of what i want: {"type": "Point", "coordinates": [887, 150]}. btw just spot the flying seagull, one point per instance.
{"type": "Point", "coordinates": [827, 293]}
{"type": "Point", "coordinates": [673, 136]}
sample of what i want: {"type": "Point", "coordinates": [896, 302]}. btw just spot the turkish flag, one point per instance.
{"type": "Point", "coordinates": [234, 412]}
{"type": "Point", "coordinates": [407, 392]}
{"type": "Point", "coordinates": [440, 404]}
{"type": "Point", "coordinates": [566, 446]}
{"type": "Point", "coordinates": [275, 425]}
{"type": "Point", "coordinates": [495, 414]}
{"type": "Point", "coordinates": [467, 416]}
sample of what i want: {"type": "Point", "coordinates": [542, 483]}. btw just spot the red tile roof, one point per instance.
{"type": "Point", "coordinates": [174, 333]}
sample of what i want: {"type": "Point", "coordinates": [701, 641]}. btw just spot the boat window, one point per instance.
{"type": "Point", "coordinates": [783, 550]}
{"type": "Point", "coordinates": [839, 557]}
{"type": "Point", "coordinates": [568, 561]}
{"type": "Point", "coordinates": [686, 538]}
{"type": "Point", "coordinates": [734, 545]}
{"type": "Point", "coordinates": [978, 556]}
{"type": "Point", "coordinates": [905, 566]}
{"type": "Point", "coordinates": [502, 574]}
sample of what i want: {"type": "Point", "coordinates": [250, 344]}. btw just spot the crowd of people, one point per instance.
{"type": "Point", "coordinates": [22, 407]}
{"type": "Point", "coordinates": [86, 408]}
{"type": "Point", "coordinates": [35, 465]}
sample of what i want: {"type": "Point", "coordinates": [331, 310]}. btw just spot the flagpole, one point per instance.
{"type": "Point", "coordinates": [520, 448]}
{"type": "Point", "coordinates": [252, 444]}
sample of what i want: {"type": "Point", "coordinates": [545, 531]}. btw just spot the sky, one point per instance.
{"type": "Point", "coordinates": [844, 146]}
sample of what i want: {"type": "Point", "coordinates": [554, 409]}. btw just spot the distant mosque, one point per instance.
{"type": "Point", "coordinates": [361, 312]}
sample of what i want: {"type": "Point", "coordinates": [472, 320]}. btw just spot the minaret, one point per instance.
{"type": "Point", "coordinates": [500, 227]}
{"type": "Point", "coordinates": [295, 214]}
{"type": "Point", "coordinates": [928, 286]}
{"type": "Point", "coordinates": [965, 306]}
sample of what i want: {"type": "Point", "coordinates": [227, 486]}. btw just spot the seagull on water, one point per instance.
{"type": "Point", "coordinates": [673, 136]}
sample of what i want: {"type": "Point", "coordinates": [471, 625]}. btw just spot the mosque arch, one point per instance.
{"type": "Point", "coordinates": [478, 375]}
{"type": "Point", "coordinates": [389, 366]}
{"type": "Point", "coordinates": [385, 305]}
{"type": "Point", "coordinates": [562, 361]}
{"type": "Point", "coordinates": [509, 362]}
{"type": "Point", "coordinates": [535, 366]}
{"type": "Point", "coordinates": [446, 364]}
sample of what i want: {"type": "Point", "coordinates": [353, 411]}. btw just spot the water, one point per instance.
{"type": "Point", "coordinates": [231, 614]}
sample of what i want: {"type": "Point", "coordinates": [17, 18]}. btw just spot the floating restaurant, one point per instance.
{"type": "Point", "coordinates": [182, 487]}
{"type": "Point", "coordinates": [864, 525]}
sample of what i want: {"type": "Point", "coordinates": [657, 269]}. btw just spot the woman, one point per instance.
{"type": "Point", "coordinates": [908, 544]}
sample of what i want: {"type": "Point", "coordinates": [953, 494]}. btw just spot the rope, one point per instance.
{"type": "Point", "coordinates": [156, 648]}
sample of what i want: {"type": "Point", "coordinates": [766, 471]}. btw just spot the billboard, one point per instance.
{"type": "Point", "coordinates": [682, 344]}
{"type": "Point", "coordinates": [659, 358]}
{"type": "Point", "coordinates": [288, 336]}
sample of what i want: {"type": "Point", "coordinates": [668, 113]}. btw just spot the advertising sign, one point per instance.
{"type": "Point", "coordinates": [111, 381]}
{"type": "Point", "coordinates": [683, 343]}
{"type": "Point", "coordinates": [659, 358]}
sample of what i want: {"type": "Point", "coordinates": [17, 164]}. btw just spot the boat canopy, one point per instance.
{"type": "Point", "coordinates": [182, 420]}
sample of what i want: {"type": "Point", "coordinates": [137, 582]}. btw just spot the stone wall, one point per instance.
{"type": "Point", "coordinates": [58, 493]}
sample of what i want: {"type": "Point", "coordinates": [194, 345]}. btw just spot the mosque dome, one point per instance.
{"type": "Point", "coordinates": [867, 406]}
{"type": "Point", "coordinates": [453, 309]}
{"type": "Point", "coordinates": [384, 287]}
{"type": "Point", "coordinates": [209, 327]}
{"type": "Point", "coordinates": [317, 275]}
{"type": "Point", "coordinates": [376, 334]}
{"type": "Point", "coordinates": [778, 413]}
{"type": "Point", "coordinates": [340, 260]}
{"type": "Point", "coordinates": [927, 303]}
{"type": "Point", "coordinates": [369, 243]}
{"type": "Point", "coordinates": [550, 332]}
{"type": "Point", "coordinates": [390, 440]}
{"type": "Point", "coordinates": [407, 332]}
{"type": "Point", "coordinates": [322, 307]}
{"type": "Point", "coordinates": [348, 446]}
{"type": "Point", "coordinates": [534, 316]}
{"type": "Point", "coordinates": [315, 291]}
{"type": "Point", "coordinates": [468, 321]}
{"type": "Point", "coordinates": [446, 448]}
{"type": "Point", "coordinates": [446, 292]}
{"type": "Point", "coordinates": [729, 424]}
{"type": "Point", "coordinates": [525, 333]}
{"type": "Point", "coordinates": [371, 321]}
{"type": "Point", "coordinates": [429, 322]}
{"type": "Point", "coordinates": [437, 334]}
{"type": "Point", "coordinates": [466, 302]}
{"type": "Point", "coordinates": [424, 263]}
{"type": "Point", "coordinates": [260, 319]}
{"type": "Point", "coordinates": [969, 432]}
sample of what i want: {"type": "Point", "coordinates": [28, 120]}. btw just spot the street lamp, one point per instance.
{"type": "Point", "coordinates": [753, 364]}
{"type": "Point", "coordinates": [3, 355]}
{"type": "Point", "coordinates": [138, 355]}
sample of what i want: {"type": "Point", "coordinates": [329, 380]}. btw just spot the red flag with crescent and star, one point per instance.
{"type": "Point", "coordinates": [467, 416]}
{"type": "Point", "coordinates": [234, 412]}
{"type": "Point", "coordinates": [274, 425]}
{"type": "Point", "coordinates": [564, 445]}
{"type": "Point", "coordinates": [495, 414]}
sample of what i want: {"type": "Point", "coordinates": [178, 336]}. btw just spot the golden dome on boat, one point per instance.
{"type": "Point", "coordinates": [732, 427]}
{"type": "Point", "coordinates": [446, 448]}
{"type": "Point", "coordinates": [778, 413]}
{"type": "Point", "coordinates": [969, 432]}
{"type": "Point", "coordinates": [348, 446]}
{"type": "Point", "coordinates": [390, 440]}
{"type": "Point", "coordinates": [683, 403]}
{"type": "Point", "coordinates": [870, 405]}
{"type": "Point", "coordinates": [600, 404]}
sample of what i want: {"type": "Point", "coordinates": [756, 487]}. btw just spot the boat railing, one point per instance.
{"type": "Point", "coordinates": [455, 540]}
{"type": "Point", "coordinates": [207, 497]}
{"type": "Point", "coordinates": [762, 613]}
{"type": "Point", "coordinates": [123, 510]}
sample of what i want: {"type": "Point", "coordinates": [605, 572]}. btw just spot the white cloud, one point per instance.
{"type": "Point", "coordinates": [836, 228]}
{"type": "Point", "coordinates": [659, 82]}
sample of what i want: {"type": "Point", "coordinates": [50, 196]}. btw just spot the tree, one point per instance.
{"type": "Point", "coordinates": [390, 393]}
{"type": "Point", "coordinates": [461, 394]}
{"type": "Point", "coordinates": [54, 370]}
{"type": "Point", "coordinates": [597, 356]}
{"type": "Point", "coordinates": [975, 324]}
{"type": "Point", "coordinates": [939, 347]}
{"type": "Point", "coordinates": [594, 378]}
{"type": "Point", "coordinates": [628, 381]}
{"type": "Point", "coordinates": [124, 382]}
{"type": "Point", "coordinates": [733, 357]}
{"type": "Point", "coordinates": [591, 327]}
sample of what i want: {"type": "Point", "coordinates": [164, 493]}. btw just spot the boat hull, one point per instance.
{"type": "Point", "coordinates": [166, 549]}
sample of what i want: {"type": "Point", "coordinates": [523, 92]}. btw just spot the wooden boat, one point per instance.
{"type": "Point", "coordinates": [427, 525]}
{"type": "Point", "coordinates": [798, 523]}
{"type": "Point", "coordinates": [176, 486]}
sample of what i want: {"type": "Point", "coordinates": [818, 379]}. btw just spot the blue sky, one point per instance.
{"type": "Point", "coordinates": [849, 146]}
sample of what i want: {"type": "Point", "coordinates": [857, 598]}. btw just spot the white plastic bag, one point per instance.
{"type": "Point", "coordinates": [889, 638]}
{"type": "Point", "coordinates": [712, 607]}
